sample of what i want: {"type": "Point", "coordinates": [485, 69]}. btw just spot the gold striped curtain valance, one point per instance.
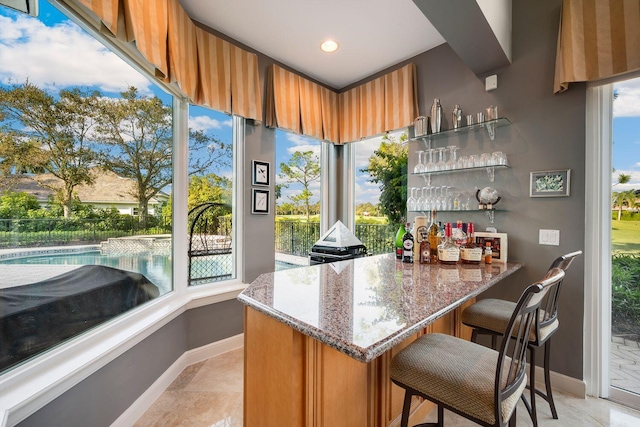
{"type": "Point", "coordinates": [183, 51]}
{"type": "Point", "coordinates": [386, 103]}
{"type": "Point", "coordinates": [597, 39]}
{"type": "Point", "coordinates": [207, 69]}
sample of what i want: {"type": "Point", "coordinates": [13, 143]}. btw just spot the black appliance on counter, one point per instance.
{"type": "Point", "coordinates": [337, 244]}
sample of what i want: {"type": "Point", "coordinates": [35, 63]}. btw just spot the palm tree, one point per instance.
{"type": "Point", "coordinates": [619, 198]}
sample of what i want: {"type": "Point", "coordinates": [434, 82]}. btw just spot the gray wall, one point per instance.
{"type": "Point", "coordinates": [547, 133]}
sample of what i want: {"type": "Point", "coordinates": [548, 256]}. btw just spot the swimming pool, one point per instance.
{"type": "Point", "coordinates": [156, 267]}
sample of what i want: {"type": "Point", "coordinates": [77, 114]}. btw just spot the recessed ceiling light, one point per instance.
{"type": "Point", "coordinates": [329, 46]}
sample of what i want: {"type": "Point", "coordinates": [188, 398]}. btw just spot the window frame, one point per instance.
{"type": "Point", "coordinates": [30, 386]}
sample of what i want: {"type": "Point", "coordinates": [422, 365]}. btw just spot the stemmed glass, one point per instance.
{"type": "Point", "coordinates": [411, 201]}
{"type": "Point", "coordinates": [431, 200]}
{"type": "Point", "coordinates": [430, 167]}
{"type": "Point", "coordinates": [452, 163]}
{"type": "Point", "coordinates": [420, 204]}
{"type": "Point", "coordinates": [419, 168]}
{"type": "Point", "coordinates": [447, 200]}
{"type": "Point", "coordinates": [440, 166]}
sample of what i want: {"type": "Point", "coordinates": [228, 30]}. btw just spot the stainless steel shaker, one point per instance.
{"type": "Point", "coordinates": [457, 117]}
{"type": "Point", "coordinates": [436, 116]}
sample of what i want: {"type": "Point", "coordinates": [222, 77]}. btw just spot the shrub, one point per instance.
{"type": "Point", "coordinates": [625, 289]}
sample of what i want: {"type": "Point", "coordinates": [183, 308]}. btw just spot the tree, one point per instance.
{"type": "Point", "coordinates": [303, 168]}
{"type": "Point", "coordinates": [136, 140]}
{"type": "Point", "coordinates": [40, 132]}
{"type": "Point", "coordinates": [620, 198]}
{"type": "Point", "coordinates": [623, 178]}
{"type": "Point", "coordinates": [388, 167]}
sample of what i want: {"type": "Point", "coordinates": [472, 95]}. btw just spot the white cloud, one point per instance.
{"type": "Point", "coordinates": [628, 102]}
{"type": "Point", "coordinates": [59, 56]}
{"type": "Point", "coordinates": [302, 144]}
{"type": "Point", "coordinates": [205, 123]}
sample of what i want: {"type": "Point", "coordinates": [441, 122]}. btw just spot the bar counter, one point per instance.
{"type": "Point", "coordinates": [367, 309]}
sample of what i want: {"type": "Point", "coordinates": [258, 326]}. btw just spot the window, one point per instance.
{"type": "Point", "coordinates": [297, 194]}
{"type": "Point", "coordinates": [67, 190]}
{"type": "Point", "coordinates": [211, 254]}
{"type": "Point", "coordinates": [373, 226]}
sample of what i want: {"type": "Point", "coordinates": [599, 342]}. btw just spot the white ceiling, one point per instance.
{"type": "Point", "coordinates": [373, 34]}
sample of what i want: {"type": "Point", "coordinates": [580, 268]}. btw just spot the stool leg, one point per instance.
{"type": "Point", "coordinates": [547, 379]}
{"type": "Point", "coordinates": [440, 416]}
{"type": "Point", "coordinates": [474, 335]}
{"type": "Point", "coordinates": [532, 385]}
{"type": "Point", "coordinates": [405, 409]}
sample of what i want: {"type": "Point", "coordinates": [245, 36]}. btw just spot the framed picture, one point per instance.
{"type": "Point", "coordinates": [550, 183]}
{"type": "Point", "coordinates": [260, 172]}
{"type": "Point", "coordinates": [260, 201]}
{"type": "Point", "coordinates": [499, 244]}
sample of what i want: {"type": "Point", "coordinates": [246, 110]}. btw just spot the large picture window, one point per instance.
{"type": "Point", "coordinates": [85, 184]}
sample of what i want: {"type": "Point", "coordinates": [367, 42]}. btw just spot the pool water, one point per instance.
{"type": "Point", "coordinates": [157, 268]}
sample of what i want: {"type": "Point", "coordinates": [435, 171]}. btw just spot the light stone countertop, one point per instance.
{"type": "Point", "coordinates": [363, 307]}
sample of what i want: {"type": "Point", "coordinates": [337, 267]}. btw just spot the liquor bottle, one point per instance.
{"type": "Point", "coordinates": [458, 234]}
{"type": "Point", "coordinates": [407, 245]}
{"type": "Point", "coordinates": [433, 236]}
{"type": "Point", "coordinates": [448, 251]}
{"type": "Point", "coordinates": [470, 252]}
{"type": "Point", "coordinates": [488, 253]}
{"type": "Point", "coordinates": [399, 235]}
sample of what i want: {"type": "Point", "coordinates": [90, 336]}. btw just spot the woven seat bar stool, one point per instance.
{"type": "Point", "coordinates": [476, 382]}
{"type": "Point", "coordinates": [491, 316]}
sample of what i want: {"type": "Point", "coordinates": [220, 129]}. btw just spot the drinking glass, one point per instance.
{"type": "Point", "coordinates": [431, 200]}
{"type": "Point", "coordinates": [452, 163]}
{"type": "Point", "coordinates": [499, 158]}
{"type": "Point", "coordinates": [411, 201]}
{"type": "Point", "coordinates": [448, 199]}
{"type": "Point", "coordinates": [457, 201]}
{"type": "Point", "coordinates": [419, 167]}
{"type": "Point", "coordinates": [430, 166]}
{"type": "Point", "coordinates": [474, 161]}
{"type": "Point", "coordinates": [486, 159]}
{"type": "Point", "coordinates": [440, 166]}
{"type": "Point", "coordinates": [463, 162]}
{"type": "Point", "coordinates": [437, 203]}
{"type": "Point", "coordinates": [421, 200]}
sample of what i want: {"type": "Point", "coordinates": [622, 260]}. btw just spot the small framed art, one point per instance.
{"type": "Point", "coordinates": [260, 172]}
{"type": "Point", "coordinates": [499, 244]}
{"type": "Point", "coordinates": [260, 201]}
{"type": "Point", "coordinates": [550, 183]}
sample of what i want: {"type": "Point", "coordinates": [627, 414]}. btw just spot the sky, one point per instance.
{"type": "Point", "coordinates": [54, 53]}
{"type": "Point", "coordinates": [626, 134]}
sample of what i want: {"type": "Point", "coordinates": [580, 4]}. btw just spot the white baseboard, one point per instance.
{"type": "Point", "coordinates": [561, 383]}
{"type": "Point", "coordinates": [144, 402]}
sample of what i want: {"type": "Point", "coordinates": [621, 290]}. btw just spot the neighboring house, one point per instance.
{"type": "Point", "coordinates": [108, 191]}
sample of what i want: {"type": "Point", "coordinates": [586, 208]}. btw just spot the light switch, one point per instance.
{"type": "Point", "coordinates": [549, 237]}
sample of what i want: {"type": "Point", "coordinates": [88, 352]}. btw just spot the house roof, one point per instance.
{"type": "Point", "coordinates": [108, 187]}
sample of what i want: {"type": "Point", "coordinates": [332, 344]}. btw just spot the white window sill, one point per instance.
{"type": "Point", "coordinates": [29, 387]}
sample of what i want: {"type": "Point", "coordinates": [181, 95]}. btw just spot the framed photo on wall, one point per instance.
{"type": "Point", "coordinates": [550, 183]}
{"type": "Point", "coordinates": [499, 244]}
{"type": "Point", "coordinates": [259, 201]}
{"type": "Point", "coordinates": [260, 172]}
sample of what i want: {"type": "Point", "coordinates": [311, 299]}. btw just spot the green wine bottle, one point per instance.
{"type": "Point", "coordinates": [399, 236]}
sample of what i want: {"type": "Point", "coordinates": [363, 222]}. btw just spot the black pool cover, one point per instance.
{"type": "Point", "coordinates": [41, 315]}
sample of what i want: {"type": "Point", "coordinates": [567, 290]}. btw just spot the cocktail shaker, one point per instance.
{"type": "Point", "coordinates": [457, 117]}
{"type": "Point", "coordinates": [436, 116]}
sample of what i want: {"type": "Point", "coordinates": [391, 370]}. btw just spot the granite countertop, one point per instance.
{"type": "Point", "coordinates": [364, 306]}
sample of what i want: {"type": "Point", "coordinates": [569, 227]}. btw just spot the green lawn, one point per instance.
{"type": "Point", "coordinates": [625, 236]}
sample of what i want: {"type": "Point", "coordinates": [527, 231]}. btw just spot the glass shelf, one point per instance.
{"type": "Point", "coordinates": [476, 168]}
{"type": "Point", "coordinates": [490, 126]}
{"type": "Point", "coordinates": [490, 212]}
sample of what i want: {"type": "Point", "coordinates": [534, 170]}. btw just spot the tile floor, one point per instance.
{"type": "Point", "coordinates": [625, 364]}
{"type": "Point", "coordinates": [209, 394]}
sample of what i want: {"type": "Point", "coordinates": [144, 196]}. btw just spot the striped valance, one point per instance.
{"type": "Point", "coordinates": [386, 103]}
{"type": "Point", "coordinates": [207, 69]}
{"type": "Point", "coordinates": [597, 39]}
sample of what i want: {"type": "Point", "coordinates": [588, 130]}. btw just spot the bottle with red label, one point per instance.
{"type": "Point", "coordinates": [448, 251]}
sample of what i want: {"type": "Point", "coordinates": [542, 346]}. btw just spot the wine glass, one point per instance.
{"type": "Point", "coordinates": [452, 163]}
{"type": "Point", "coordinates": [448, 200]}
{"type": "Point", "coordinates": [430, 167]}
{"type": "Point", "coordinates": [411, 201]}
{"type": "Point", "coordinates": [420, 203]}
{"type": "Point", "coordinates": [419, 167]}
{"type": "Point", "coordinates": [441, 163]}
{"type": "Point", "coordinates": [431, 200]}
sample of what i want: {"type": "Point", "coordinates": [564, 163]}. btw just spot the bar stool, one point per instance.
{"type": "Point", "coordinates": [479, 383]}
{"type": "Point", "coordinates": [491, 316]}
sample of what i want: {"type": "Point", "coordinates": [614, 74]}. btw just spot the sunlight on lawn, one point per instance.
{"type": "Point", "coordinates": [625, 237]}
